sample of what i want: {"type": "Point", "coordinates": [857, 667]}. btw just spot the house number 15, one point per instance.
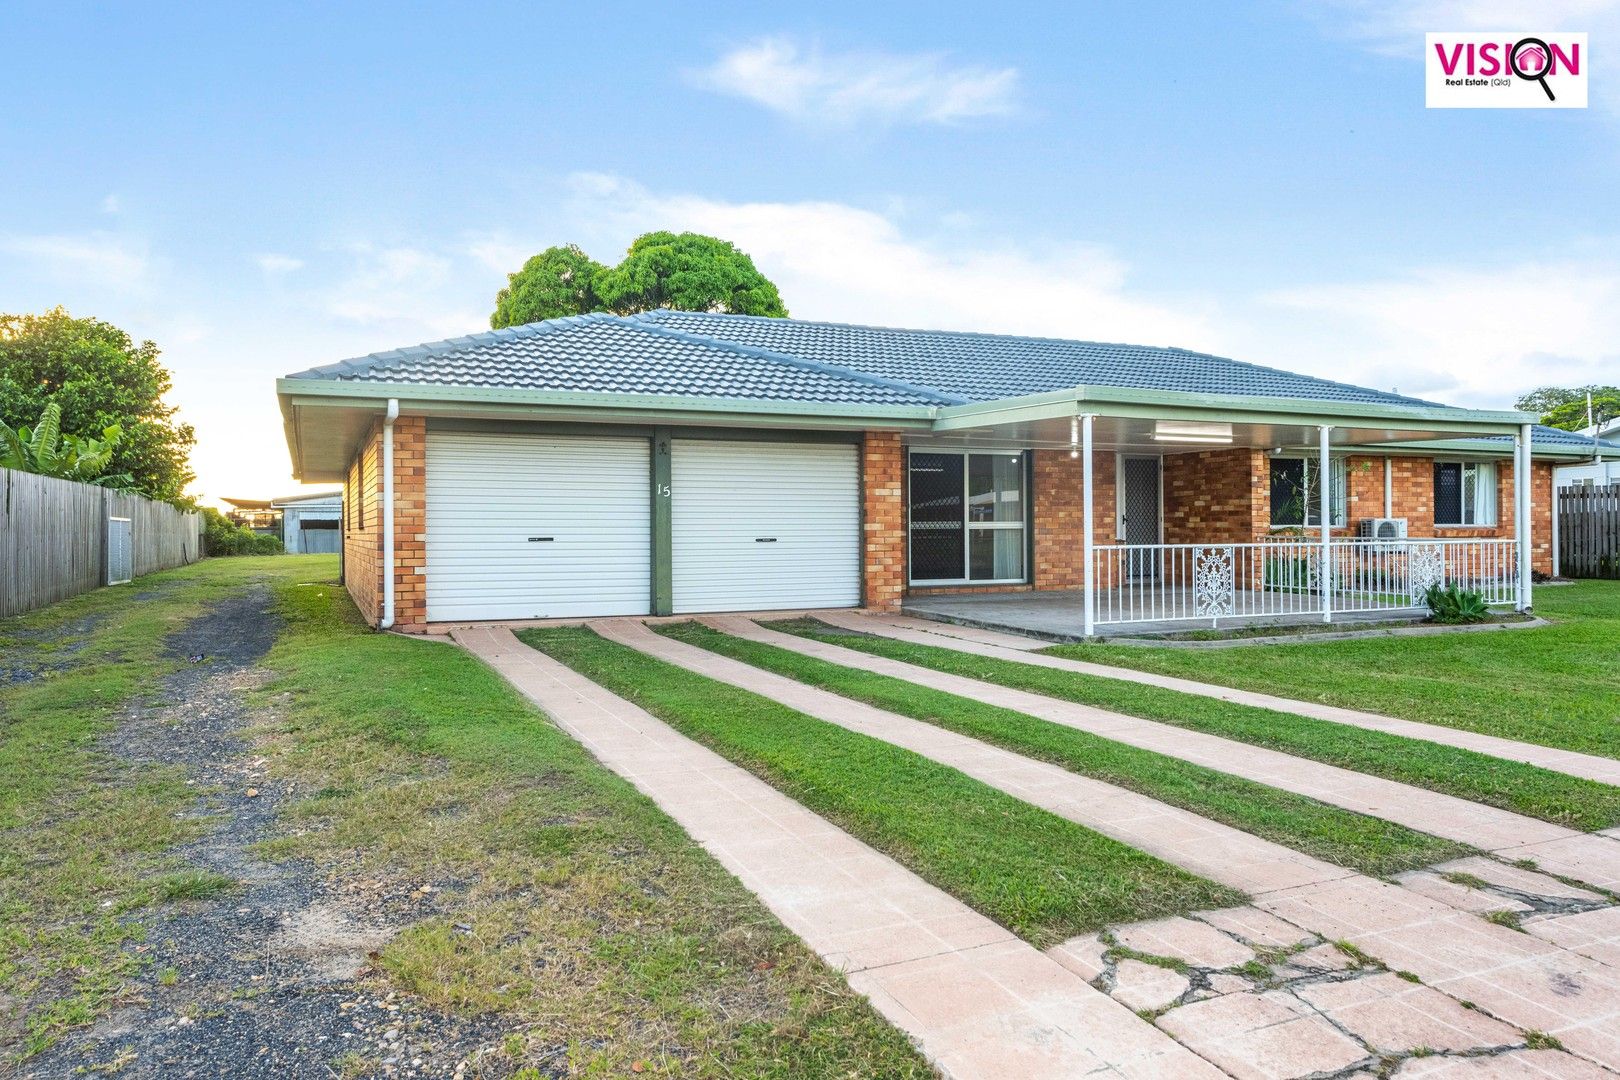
{"type": "Point", "coordinates": [663, 490]}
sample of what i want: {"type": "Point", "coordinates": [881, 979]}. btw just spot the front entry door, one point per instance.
{"type": "Point", "coordinates": [1139, 513]}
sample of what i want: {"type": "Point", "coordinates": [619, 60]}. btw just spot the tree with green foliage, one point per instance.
{"type": "Point", "coordinates": [222, 536]}
{"type": "Point", "coordinates": [688, 272]}
{"type": "Point", "coordinates": [100, 378]}
{"type": "Point", "coordinates": [684, 271]}
{"type": "Point", "coordinates": [1565, 408]}
{"type": "Point", "coordinates": [552, 284]}
{"type": "Point", "coordinates": [45, 450]}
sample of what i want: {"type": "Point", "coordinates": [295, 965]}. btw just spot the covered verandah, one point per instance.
{"type": "Point", "coordinates": [1228, 563]}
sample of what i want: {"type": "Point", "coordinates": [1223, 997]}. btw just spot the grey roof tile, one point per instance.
{"type": "Point", "coordinates": [991, 367]}
{"type": "Point", "coordinates": [607, 354]}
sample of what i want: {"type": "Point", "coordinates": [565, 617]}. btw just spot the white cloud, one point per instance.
{"type": "Point", "coordinates": [1474, 337]}
{"type": "Point", "coordinates": [838, 262]}
{"type": "Point", "coordinates": [275, 265]}
{"type": "Point", "coordinates": [83, 259]}
{"type": "Point", "coordinates": [404, 290]}
{"type": "Point", "coordinates": [112, 204]}
{"type": "Point", "coordinates": [840, 90]}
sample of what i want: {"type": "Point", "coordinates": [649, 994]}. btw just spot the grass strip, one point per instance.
{"type": "Point", "coordinates": [1509, 785]}
{"type": "Point", "coordinates": [1042, 876]}
{"type": "Point", "coordinates": [1558, 685]}
{"type": "Point", "coordinates": [565, 902]}
{"type": "Point", "coordinates": [1326, 832]}
{"type": "Point", "coordinates": [84, 836]}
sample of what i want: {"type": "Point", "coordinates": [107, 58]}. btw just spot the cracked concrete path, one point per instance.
{"type": "Point", "coordinates": [1592, 858]}
{"type": "Point", "coordinates": [1515, 977]}
{"type": "Point", "coordinates": [978, 1001]}
{"type": "Point", "coordinates": [1013, 647]}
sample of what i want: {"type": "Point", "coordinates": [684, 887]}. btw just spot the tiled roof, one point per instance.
{"type": "Point", "coordinates": [1552, 439]}
{"type": "Point", "coordinates": [608, 354]}
{"type": "Point", "coordinates": [743, 357]}
{"type": "Point", "coordinates": [991, 367]}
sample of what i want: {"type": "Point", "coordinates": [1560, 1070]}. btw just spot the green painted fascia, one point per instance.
{"type": "Point", "coordinates": [1235, 408]}
{"type": "Point", "coordinates": [1471, 446]}
{"type": "Point", "coordinates": [425, 398]}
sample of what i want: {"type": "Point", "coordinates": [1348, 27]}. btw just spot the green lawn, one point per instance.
{"type": "Point", "coordinates": [1524, 789]}
{"type": "Point", "coordinates": [1555, 686]}
{"type": "Point", "coordinates": [1327, 832]}
{"type": "Point", "coordinates": [1042, 876]}
{"type": "Point", "coordinates": [82, 836]}
{"type": "Point", "coordinates": [596, 924]}
{"type": "Point", "coordinates": [591, 919]}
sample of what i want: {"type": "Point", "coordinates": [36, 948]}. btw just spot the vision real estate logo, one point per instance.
{"type": "Point", "coordinates": [1505, 70]}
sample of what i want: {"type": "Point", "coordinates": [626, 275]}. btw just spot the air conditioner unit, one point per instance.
{"type": "Point", "coordinates": [1391, 530]}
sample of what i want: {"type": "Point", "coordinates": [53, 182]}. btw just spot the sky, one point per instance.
{"type": "Point", "coordinates": [263, 189]}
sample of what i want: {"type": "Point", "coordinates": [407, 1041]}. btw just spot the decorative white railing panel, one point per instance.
{"type": "Point", "coordinates": [1209, 582]}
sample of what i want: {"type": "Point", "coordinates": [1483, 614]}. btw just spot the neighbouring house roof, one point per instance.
{"type": "Point", "coordinates": [334, 497]}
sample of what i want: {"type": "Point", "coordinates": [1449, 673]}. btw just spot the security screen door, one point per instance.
{"type": "Point", "coordinates": [1139, 514]}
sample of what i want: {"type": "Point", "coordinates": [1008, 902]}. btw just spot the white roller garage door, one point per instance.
{"type": "Point", "coordinates": [765, 525]}
{"type": "Point", "coordinates": [537, 526]}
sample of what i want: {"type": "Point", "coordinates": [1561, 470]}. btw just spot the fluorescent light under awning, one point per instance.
{"type": "Point", "coordinates": [1192, 431]}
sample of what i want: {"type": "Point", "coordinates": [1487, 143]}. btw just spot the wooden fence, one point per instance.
{"type": "Point", "coordinates": [1589, 531]}
{"type": "Point", "coordinates": [53, 538]}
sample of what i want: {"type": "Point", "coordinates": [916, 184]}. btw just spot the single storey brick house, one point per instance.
{"type": "Point", "coordinates": [675, 462]}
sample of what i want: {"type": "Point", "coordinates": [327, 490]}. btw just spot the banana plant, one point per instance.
{"type": "Point", "coordinates": [44, 450]}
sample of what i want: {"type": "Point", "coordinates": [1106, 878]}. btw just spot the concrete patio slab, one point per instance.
{"type": "Point", "coordinates": [978, 1001]}
{"type": "Point", "coordinates": [1013, 647]}
{"type": "Point", "coordinates": [1393, 1016]}
{"type": "Point", "coordinates": [1584, 856]}
{"type": "Point", "coordinates": [1268, 1036]}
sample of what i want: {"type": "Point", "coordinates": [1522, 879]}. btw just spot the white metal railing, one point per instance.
{"type": "Point", "coordinates": [1209, 582]}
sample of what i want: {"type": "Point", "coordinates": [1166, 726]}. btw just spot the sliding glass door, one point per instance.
{"type": "Point", "coordinates": [967, 514]}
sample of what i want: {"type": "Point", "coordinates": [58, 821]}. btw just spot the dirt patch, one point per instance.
{"type": "Point", "coordinates": [256, 969]}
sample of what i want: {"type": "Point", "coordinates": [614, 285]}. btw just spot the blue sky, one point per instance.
{"type": "Point", "coordinates": [260, 191]}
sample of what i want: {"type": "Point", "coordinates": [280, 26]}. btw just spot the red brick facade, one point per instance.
{"type": "Point", "coordinates": [363, 532]}
{"type": "Point", "coordinates": [883, 516]}
{"type": "Point", "coordinates": [1215, 496]}
{"type": "Point", "coordinates": [1211, 496]}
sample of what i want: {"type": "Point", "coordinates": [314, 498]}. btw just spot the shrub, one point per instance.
{"type": "Point", "coordinates": [1452, 604]}
{"type": "Point", "coordinates": [222, 536]}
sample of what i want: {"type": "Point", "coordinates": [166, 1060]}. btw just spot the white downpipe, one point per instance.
{"type": "Point", "coordinates": [1088, 542]}
{"type": "Point", "coordinates": [1521, 506]}
{"type": "Point", "coordinates": [1324, 484]}
{"type": "Point", "coordinates": [1557, 563]}
{"type": "Point", "coordinates": [388, 513]}
{"type": "Point", "coordinates": [1389, 487]}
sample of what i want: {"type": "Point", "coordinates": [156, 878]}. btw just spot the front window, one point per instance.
{"type": "Point", "coordinates": [966, 515]}
{"type": "Point", "coordinates": [1464, 493]}
{"type": "Point", "coordinates": [1295, 499]}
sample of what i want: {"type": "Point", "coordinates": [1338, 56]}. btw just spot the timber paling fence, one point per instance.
{"type": "Point", "coordinates": [1589, 531]}
{"type": "Point", "coordinates": [59, 538]}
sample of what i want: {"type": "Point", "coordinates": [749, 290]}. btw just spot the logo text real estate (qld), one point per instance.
{"type": "Point", "coordinates": [1505, 70]}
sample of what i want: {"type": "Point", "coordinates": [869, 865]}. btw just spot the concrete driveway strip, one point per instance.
{"type": "Point", "coordinates": [1518, 978]}
{"type": "Point", "coordinates": [978, 1001]}
{"type": "Point", "coordinates": [1012, 647]}
{"type": "Point", "coordinates": [1593, 858]}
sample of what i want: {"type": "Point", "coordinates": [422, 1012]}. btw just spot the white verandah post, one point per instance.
{"type": "Point", "coordinates": [1087, 541]}
{"type": "Point", "coordinates": [1324, 496]}
{"type": "Point", "coordinates": [1521, 510]}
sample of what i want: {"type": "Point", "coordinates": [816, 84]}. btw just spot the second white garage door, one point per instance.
{"type": "Point", "coordinates": [534, 526]}
{"type": "Point", "coordinates": [765, 525]}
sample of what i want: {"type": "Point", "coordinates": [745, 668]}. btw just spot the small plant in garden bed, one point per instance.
{"type": "Point", "coordinates": [1452, 604]}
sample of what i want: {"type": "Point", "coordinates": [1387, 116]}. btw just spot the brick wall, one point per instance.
{"type": "Point", "coordinates": [883, 509]}
{"type": "Point", "coordinates": [1216, 496]}
{"type": "Point", "coordinates": [363, 533]}
{"type": "Point", "coordinates": [1059, 514]}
